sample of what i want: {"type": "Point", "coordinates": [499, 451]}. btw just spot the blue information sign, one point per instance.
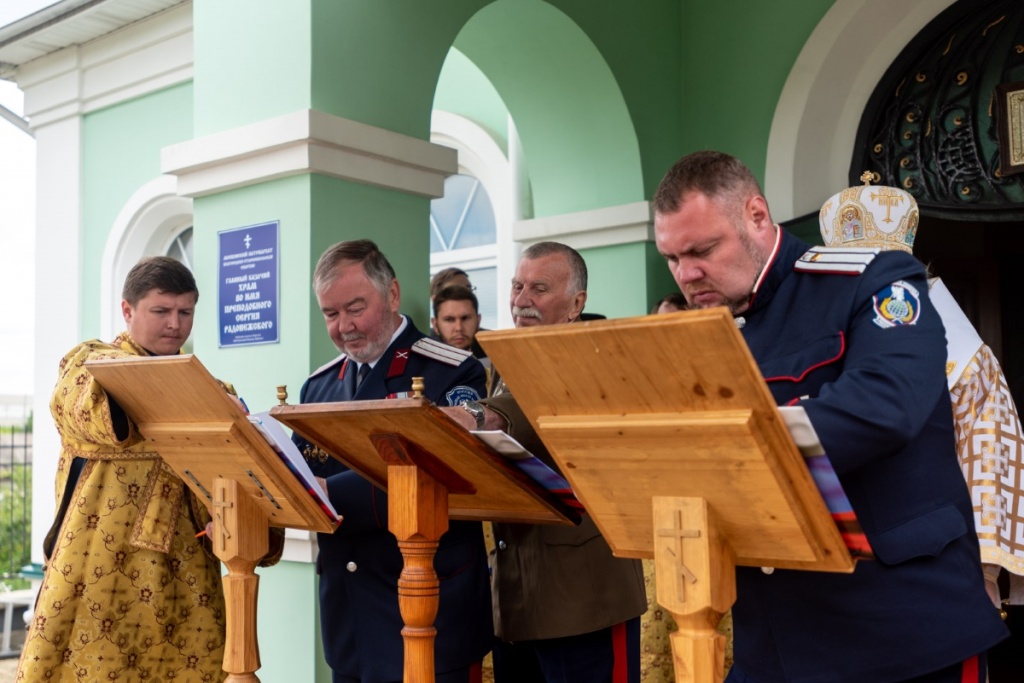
{"type": "Point", "coordinates": [248, 285]}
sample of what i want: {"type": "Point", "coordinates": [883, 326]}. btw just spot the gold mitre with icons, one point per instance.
{"type": "Point", "coordinates": [870, 216]}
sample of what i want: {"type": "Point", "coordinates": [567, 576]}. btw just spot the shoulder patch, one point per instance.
{"type": "Point", "coordinates": [835, 260]}
{"type": "Point", "coordinates": [896, 305]}
{"type": "Point", "coordinates": [456, 396]}
{"type": "Point", "coordinates": [439, 351]}
{"type": "Point", "coordinates": [327, 366]}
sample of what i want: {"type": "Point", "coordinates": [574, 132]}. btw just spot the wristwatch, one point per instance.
{"type": "Point", "coordinates": [476, 410]}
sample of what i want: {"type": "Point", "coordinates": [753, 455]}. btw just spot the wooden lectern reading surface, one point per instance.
{"type": "Point", "coordinates": [482, 484]}
{"type": "Point", "coordinates": [207, 440]}
{"type": "Point", "coordinates": [433, 470]}
{"type": "Point", "coordinates": [673, 443]}
{"type": "Point", "coordinates": [200, 432]}
{"type": "Point", "coordinates": [669, 406]}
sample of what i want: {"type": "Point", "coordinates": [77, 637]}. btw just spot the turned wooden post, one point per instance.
{"type": "Point", "coordinates": [240, 540]}
{"type": "Point", "coordinates": [418, 488]}
{"type": "Point", "coordinates": [418, 514]}
{"type": "Point", "coordinates": [695, 573]}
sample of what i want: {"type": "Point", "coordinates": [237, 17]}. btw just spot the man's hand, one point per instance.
{"type": "Point", "coordinates": [459, 415]}
{"type": "Point", "coordinates": [323, 485]}
{"type": "Point", "coordinates": [492, 421]}
{"type": "Point", "coordinates": [240, 403]}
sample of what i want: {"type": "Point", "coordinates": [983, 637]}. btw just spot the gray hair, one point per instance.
{"type": "Point", "coordinates": [375, 264]}
{"type": "Point", "coordinates": [577, 266]}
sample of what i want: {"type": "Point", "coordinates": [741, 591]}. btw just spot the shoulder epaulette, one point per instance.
{"type": "Point", "coordinates": [327, 366]}
{"type": "Point", "coordinates": [835, 260]}
{"type": "Point", "coordinates": [431, 348]}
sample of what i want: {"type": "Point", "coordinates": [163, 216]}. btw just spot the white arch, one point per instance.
{"type": "Point", "coordinates": [481, 157]}
{"type": "Point", "coordinates": [147, 224]}
{"type": "Point", "coordinates": [810, 146]}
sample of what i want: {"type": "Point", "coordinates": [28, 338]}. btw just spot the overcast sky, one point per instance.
{"type": "Point", "coordinates": [12, 10]}
{"type": "Point", "coordinates": [17, 230]}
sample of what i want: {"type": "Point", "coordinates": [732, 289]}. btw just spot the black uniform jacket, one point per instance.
{"type": "Point", "coordinates": [360, 563]}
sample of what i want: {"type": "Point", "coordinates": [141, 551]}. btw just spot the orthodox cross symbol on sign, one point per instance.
{"type": "Point", "coordinates": [888, 198]}
{"type": "Point", "coordinates": [678, 533]}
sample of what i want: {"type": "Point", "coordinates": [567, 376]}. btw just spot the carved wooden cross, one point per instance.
{"type": "Point", "coordinates": [222, 503]}
{"type": "Point", "coordinates": [678, 533]}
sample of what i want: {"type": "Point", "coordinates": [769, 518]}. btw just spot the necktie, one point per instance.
{"type": "Point", "coordinates": [364, 370]}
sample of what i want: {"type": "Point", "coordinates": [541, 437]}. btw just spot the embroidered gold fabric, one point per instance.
{"type": "Point", "coordinates": [990, 441]}
{"type": "Point", "coordinates": [129, 593]}
{"type": "Point", "coordinates": [870, 216]}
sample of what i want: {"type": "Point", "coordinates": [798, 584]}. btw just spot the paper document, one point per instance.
{"type": "Point", "coordinates": [275, 435]}
{"type": "Point", "coordinates": [531, 465]}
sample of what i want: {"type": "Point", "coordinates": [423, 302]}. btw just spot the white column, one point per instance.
{"type": "Point", "coordinates": [58, 305]}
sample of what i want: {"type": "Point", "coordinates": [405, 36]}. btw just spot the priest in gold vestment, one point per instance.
{"type": "Point", "coordinates": [130, 593]}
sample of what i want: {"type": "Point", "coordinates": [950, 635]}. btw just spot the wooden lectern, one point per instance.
{"type": "Point", "coordinates": [670, 438]}
{"type": "Point", "coordinates": [199, 431]}
{"type": "Point", "coordinates": [433, 470]}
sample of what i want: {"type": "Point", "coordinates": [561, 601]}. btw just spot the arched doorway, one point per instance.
{"type": "Point", "coordinates": [155, 221]}
{"type": "Point", "coordinates": [932, 127]}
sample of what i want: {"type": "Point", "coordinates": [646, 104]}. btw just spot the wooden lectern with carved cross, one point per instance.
{"type": "Point", "coordinates": [209, 442]}
{"type": "Point", "coordinates": [670, 438]}
{"type": "Point", "coordinates": [433, 470]}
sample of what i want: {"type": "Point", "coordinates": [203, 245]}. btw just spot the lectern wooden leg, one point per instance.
{"type": "Point", "coordinates": [418, 514]}
{"type": "Point", "coordinates": [695, 573]}
{"type": "Point", "coordinates": [240, 540]}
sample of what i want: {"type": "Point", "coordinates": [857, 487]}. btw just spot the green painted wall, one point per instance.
{"type": "Point", "coordinates": [464, 90]}
{"type": "Point", "coordinates": [396, 221]}
{"type": "Point", "coordinates": [257, 370]}
{"type": "Point", "coordinates": [121, 153]}
{"type": "Point", "coordinates": [625, 280]}
{"type": "Point", "coordinates": [641, 43]}
{"type": "Point", "coordinates": [288, 620]}
{"type": "Point", "coordinates": [622, 294]}
{"type": "Point", "coordinates": [735, 57]}
{"type": "Point", "coordinates": [252, 61]}
{"type": "Point", "coordinates": [659, 279]}
{"type": "Point", "coordinates": [405, 41]}
{"type": "Point", "coordinates": [577, 135]}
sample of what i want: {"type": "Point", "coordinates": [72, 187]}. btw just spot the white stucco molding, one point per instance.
{"type": "Point", "coordinates": [309, 141]}
{"type": "Point", "coordinates": [58, 271]}
{"type": "Point", "coordinates": [814, 129]}
{"type": "Point", "coordinates": [141, 58]}
{"type": "Point", "coordinates": [481, 157]}
{"type": "Point", "coordinates": [623, 224]}
{"type": "Point", "coordinates": [146, 225]}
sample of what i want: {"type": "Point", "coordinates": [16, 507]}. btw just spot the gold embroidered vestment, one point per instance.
{"type": "Point", "coordinates": [129, 593]}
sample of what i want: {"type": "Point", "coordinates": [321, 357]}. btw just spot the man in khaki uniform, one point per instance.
{"type": "Point", "coordinates": [565, 609]}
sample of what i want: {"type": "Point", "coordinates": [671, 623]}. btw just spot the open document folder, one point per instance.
{"type": "Point", "coordinates": [530, 465]}
{"type": "Point", "coordinates": [275, 435]}
{"type": "Point", "coordinates": [827, 480]}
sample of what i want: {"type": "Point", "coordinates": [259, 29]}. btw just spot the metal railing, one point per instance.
{"type": "Point", "coordinates": [15, 502]}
